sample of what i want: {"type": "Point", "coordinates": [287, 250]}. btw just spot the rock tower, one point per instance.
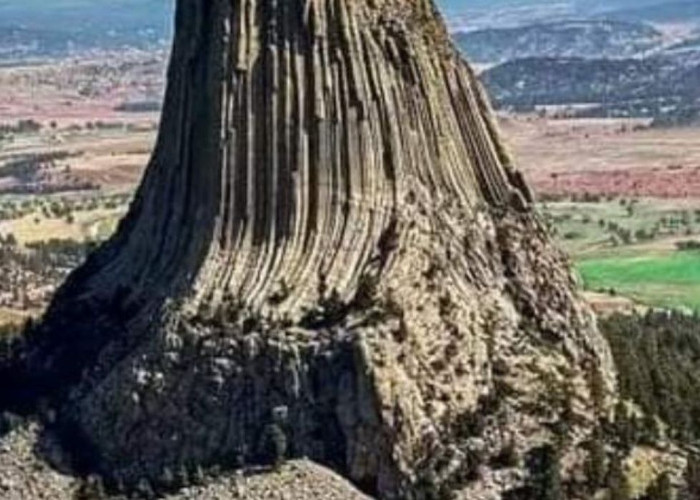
{"type": "Point", "coordinates": [329, 229]}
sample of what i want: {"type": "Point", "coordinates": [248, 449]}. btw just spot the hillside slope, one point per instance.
{"type": "Point", "coordinates": [659, 87]}
{"type": "Point", "coordinates": [585, 39]}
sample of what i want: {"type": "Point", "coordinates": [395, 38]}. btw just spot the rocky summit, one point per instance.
{"type": "Point", "coordinates": [331, 257]}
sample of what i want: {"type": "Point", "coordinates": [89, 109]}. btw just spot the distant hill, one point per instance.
{"type": "Point", "coordinates": [663, 87]}
{"type": "Point", "coordinates": [586, 39]}
{"type": "Point", "coordinates": [549, 81]}
{"type": "Point", "coordinates": [36, 28]}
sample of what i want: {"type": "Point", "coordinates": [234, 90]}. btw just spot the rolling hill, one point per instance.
{"type": "Point", "coordinates": [587, 39]}
{"type": "Point", "coordinates": [665, 88]}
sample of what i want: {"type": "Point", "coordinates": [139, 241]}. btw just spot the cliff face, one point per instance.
{"type": "Point", "coordinates": [329, 239]}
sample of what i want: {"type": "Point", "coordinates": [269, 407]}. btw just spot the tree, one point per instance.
{"type": "Point", "coordinates": [650, 431]}
{"type": "Point", "coordinates": [618, 485]}
{"type": "Point", "coordinates": [657, 358]}
{"type": "Point", "coordinates": [596, 463]}
{"type": "Point", "coordinates": [661, 489]}
{"type": "Point", "coordinates": [145, 489]}
{"type": "Point", "coordinates": [274, 445]}
{"type": "Point", "coordinates": [508, 456]}
{"type": "Point", "coordinates": [167, 479]}
{"type": "Point", "coordinates": [691, 477]}
{"type": "Point", "coordinates": [91, 488]}
{"type": "Point", "coordinates": [545, 471]}
{"type": "Point", "coordinates": [182, 477]}
{"type": "Point", "coordinates": [279, 445]}
{"type": "Point", "coordinates": [552, 485]}
{"type": "Point", "coordinates": [198, 476]}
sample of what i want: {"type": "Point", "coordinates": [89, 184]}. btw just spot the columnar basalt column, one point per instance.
{"type": "Point", "coordinates": [330, 224]}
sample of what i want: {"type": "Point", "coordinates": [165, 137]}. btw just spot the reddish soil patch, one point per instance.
{"type": "Point", "coordinates": [672, 182]}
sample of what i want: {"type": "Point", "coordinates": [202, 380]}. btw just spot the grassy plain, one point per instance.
{"type": "Point", "coordinates": [630, 248]}
{"type": "Point", "coordinates": [662, 280]}
{"type": "Point", "coordinates": [90, 225]}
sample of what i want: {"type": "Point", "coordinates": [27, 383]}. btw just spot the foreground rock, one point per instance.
{"type": "Point", "coordinates": [26, 475]}
{"type": "Point", "coordinates": [296, 480]}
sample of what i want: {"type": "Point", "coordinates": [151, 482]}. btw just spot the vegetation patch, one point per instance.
{"type": "Point", "coordinates": [642, 248]}
{"type": "Point", "coordinates": [667, 280]}
{"type": "Point", "coordinates": [658, 360]}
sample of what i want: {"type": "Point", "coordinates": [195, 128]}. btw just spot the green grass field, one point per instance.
{"type": "Point", "coordinates": [629, 249]}
{"type": "Point", "coordinates": [663, 280]}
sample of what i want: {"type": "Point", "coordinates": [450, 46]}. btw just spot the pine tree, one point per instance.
{"type": "Point", "coordinates": [618, 485]}
{"type": "Point", "coordinates": [625, 426]}
{"type": "Point", "coordinates": [145, 489]}
{"type": "Point", "coordinates": [182, 477]}
{"type": "Point", "coordinates": [549, 484]}
{"type": "Point", "coordinates": [596, 464]}
{"type": "Point", "coordinates": [508, 457]}
{"type": "Point", "coordinates": [278, 442]}
{"type": "Point", "coordinates": [167, 478]}
{"type": "Point", "coordinates": [650, 429]}
{"type": "Point", "coordinates": [91, 489]}
{"type": "Point", "coordinates": [598, 390]}
{"type": "Point", "coordinates": [662, 489]}
{"type": "Point", "coordinates": [692, 477]}
{"type": "Point", "coordinates": [198, 476]}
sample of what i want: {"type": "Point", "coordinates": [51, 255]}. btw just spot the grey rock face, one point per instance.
{"type": "Point", "coordinates": [25, 476]}
{"type": "Point", "coordinates": [328, 224]}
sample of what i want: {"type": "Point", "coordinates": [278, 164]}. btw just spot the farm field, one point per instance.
{"type": "Point", "coordinates": [74, 140]}
{"type": "Point", "coordinates": [626, 158]}
{"type": "Point", "coordinates": [94, 224]}
{"type": "Point", "coordinates": [669, 280]}
{"type": "Point", "coordinates": [623, 200]}
{"type": "Point", "coordinates": [644, 249]}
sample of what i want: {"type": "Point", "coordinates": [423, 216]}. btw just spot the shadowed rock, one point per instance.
{"type": "Point", "coordinates": [329, 224]}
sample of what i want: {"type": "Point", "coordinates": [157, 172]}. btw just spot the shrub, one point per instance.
{"type": "Point", "coordinates": [688, 245]}
{"type": "Point", "coordinates": [508, 457]}
{"type": "Point", "coordinates": [572, 235]}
